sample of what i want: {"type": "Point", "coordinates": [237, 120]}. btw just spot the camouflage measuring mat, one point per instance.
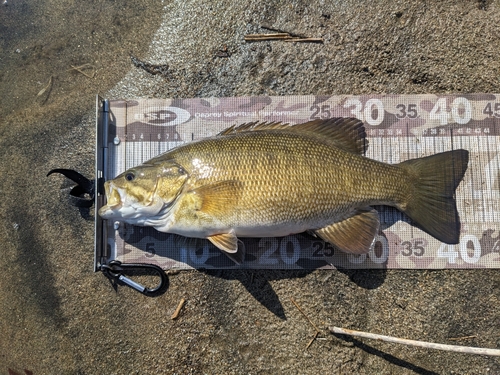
{"type": "Point", "coordinates": [398, 127]}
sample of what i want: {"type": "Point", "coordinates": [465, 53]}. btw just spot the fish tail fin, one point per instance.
{"type": "Point", "coordinates": [431, 198]}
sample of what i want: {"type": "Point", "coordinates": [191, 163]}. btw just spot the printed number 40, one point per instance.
{"type": "Point", "coordinates": [461, 111]}
{"type": "Point", "coordinates": [449, 252]}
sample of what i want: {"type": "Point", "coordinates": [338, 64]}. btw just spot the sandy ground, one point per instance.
{"type": "Point", "coordinates": [58, 317]}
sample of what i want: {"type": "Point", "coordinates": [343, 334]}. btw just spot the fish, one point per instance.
{"type": "Point", "coordinates": [271, 179]}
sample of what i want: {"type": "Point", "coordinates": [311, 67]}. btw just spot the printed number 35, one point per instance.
{"type": "Point", "coordinates": [409, 111]}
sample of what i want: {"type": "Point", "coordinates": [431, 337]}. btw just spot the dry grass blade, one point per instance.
{"type": "Point", "coordinates": [47, 88]}
{"type": "Point", "coordinates": [80, 69]}
{"type": "Point", "coordinates": [312, 340]}
{"type": "Point", "coordinates": [422, 344]}
{"type": "Point", "coordinates": [295, 35]}
{"type": "Point", "coordinates": [310, 321]}
{"type": "Point", "coordinates": [303, 313]}
{"type": "Point", "coordinates": [281, 36]}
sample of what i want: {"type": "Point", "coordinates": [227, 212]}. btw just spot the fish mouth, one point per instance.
{"type": "Point", "coordinates": [113, 195]}
{"type": "Point", "coordinates": [121, 206]}
{"type": "Point", "coordinates": [114, 201]}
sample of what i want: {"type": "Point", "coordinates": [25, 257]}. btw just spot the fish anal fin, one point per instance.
{"type": "Point", "coordinates": [228, 244]}
{"type": "Point", "coordinates": [355, 233]}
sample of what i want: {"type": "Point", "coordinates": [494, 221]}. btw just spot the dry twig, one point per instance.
{"type": "Point", "coordinates": [287, 37]}
{"type": "Point", "coordinates": [273, 36]}
{"type": "Point", "coordinates": [423, 344]}
{"type": "Point", "coordinates": [177, 311]}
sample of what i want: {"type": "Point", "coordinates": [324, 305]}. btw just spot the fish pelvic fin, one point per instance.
{"type": "Point", "coordinates": [355, 233]}
{"type": "Point", "coordinates": [228, 244]}
{"type": "Point", "coordinates": [431, 201]}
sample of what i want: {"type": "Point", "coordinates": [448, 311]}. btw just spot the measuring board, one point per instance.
{"type": "Point", "coordinates": [398, 128]}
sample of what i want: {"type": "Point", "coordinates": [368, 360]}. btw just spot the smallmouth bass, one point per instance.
{"type": "Point", "coordinates": [273, 179]}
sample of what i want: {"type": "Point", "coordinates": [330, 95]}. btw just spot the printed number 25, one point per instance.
{"type": "Point", "coordinates": [320, 112]}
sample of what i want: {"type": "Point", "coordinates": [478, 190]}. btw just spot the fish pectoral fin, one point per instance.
{"type": "Point", "coordinates": [218, 199]}
{"type": "Point", "coordinates": [228, 244]}
{"type": "Point", "coordinates": [355, 233]}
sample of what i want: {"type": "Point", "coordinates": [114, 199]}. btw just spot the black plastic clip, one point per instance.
{"type": "Point", "coordinates": [115, 270]}
{"type": "Point", "coordinates": [82, 195]}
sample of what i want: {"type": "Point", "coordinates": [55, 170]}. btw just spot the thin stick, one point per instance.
{"type": "Point", "coordinates": [259, 37]}
{"type": "Point", "coordinates": [177, 311]}
{"type": "Point", "coordinates": [305, 40]}
{"type": "Point", "coordinates": [423, 344]}
{"type": "Point", "coordinates": [282, 31]}
{"type": "Point", "coordinates": [302, 312]}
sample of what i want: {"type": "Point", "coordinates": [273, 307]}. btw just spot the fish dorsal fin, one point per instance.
{"type": "Point", "coordinates": [254, 126]}
{"type": "Point", "coordinates": [346, 133]}
{"type": "Point", "coordinates": [355, 233]}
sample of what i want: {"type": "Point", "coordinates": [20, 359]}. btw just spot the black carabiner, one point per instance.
{"type": "Point", "coordinates": [115, 270]}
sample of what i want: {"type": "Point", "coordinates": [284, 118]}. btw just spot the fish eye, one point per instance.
{"type": "Point", "coordinates": [130, 176]}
